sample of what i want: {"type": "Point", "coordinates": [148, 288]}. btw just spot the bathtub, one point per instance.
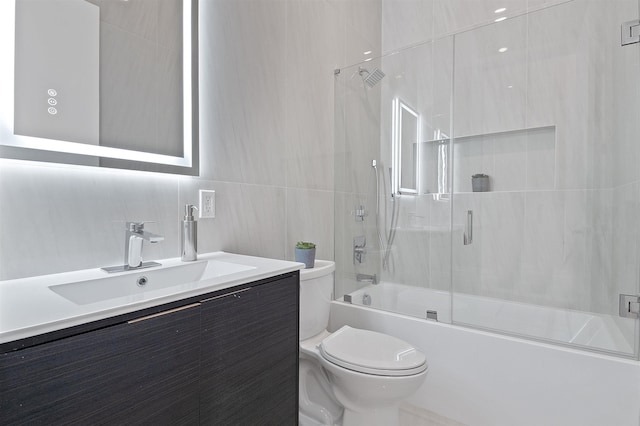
{"type": "Point", "coordinates": [483, 378]}
{"type": "Point", "coordinates": [596, 331]}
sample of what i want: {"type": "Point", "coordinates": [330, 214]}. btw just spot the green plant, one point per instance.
{"type": "Point", "coordinates": [305, 245]}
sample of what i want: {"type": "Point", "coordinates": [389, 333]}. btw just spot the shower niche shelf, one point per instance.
{"type": "Point", "coordinates": [516, 160]}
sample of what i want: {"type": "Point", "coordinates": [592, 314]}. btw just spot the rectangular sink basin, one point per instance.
{"type": "Point", "coordinates": [136, 284]}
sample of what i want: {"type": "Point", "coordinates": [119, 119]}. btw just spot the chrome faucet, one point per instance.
{"type": "Point", "coordinates": [134, 237]}
{"type": "Point", "coordinates": [366, 278]}
{"type": "Point", "coordinates": [359, 250]}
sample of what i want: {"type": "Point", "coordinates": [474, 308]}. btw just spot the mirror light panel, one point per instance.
{"type": "Point", "coordinates": [398, 109]}
{"type": "Point", "coordinates": [8, 138]}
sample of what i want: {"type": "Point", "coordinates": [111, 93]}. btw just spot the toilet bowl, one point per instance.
{"type": "Point", "coordinates": [351, 377]}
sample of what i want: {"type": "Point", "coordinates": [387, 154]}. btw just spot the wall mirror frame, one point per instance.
{"type": "Point", "coordinates": [15, 146]}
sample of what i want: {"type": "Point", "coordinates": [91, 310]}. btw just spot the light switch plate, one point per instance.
{"type": "Point", "coordinates": [207, 208]}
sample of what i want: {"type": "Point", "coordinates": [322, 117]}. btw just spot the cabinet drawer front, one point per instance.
{"type": "Point", "coordinates": [140, 373]}
{"type": "Point", "coordinates": [249, 356]}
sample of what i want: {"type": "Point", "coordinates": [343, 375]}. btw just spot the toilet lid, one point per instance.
{"type": "Point", "coordinates": [372, 353]}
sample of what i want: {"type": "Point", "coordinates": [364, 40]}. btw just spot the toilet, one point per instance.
{"type": "Point", "coordinates": [350, 377]}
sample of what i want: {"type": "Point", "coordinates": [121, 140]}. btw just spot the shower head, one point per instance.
{"type": "Point", "coordinates": [371, 78]}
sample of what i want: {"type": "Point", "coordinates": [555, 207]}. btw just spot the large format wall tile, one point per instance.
{"type": "Point", "coordinates": [541, 158]}
{"type": "Point", "coordinates": [457, 15]}
{"type": "Point", "coordinates": [626, 232]}
{"type": "Point", "coordinates": [533, 5]}
{"type": "Point", "coordinates": [347, 228]}
{"type": "Point", "coordinates": [514, 161]}
{"type": "Point", "coordinates": [441, 243]}
{"type": "Point", "coordinates": [551, 248]}
{"type": "Point", "coordinates": [243, 65]}
{"type": "Point", "coordinates": [74, 218]}
{"type": "Point", "coordinates": [579, 81]}
{"type": "Point", "coordinates": [490, 78]}
{"type": "Point", "coordinates": [310, 218]}
{"type": "Point", "coordinates": [362, 29]}
{"type": "Point", "coordinates": [409, 257]}
{"type": "Point", "coordinates": [561, 90]}
{"type": "Point", "coordinates": [249, 220]}
{"type": "Point", "coordinates": [189, 194]}
{"type": "Point", "coordinates": [253, 145]}
{"type": "Point", "coordinates": [543, 248]}
{"type": "Point", "coordinates": [311, 61]}
{"type": "Point", "coordinates": [551, 118]}
{"type": "Point", "coordinates": [405, 23]}
{"type": "Point", "coordinates": [358, 139]}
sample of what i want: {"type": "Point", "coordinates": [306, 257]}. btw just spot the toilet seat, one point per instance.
{"type": "Point", "coordinates": [373, 353]}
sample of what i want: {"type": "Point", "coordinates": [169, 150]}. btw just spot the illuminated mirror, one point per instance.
{"type": "Point", "coordinates": [110, 83]}
{"type": "Point", "coordinates": [405, 148]}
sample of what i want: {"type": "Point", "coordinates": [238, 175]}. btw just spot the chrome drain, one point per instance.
{"type": "Point", "coordinates": [142, 281]}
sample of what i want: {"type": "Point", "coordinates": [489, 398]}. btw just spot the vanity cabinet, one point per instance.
{"type": "Point", "coordinates": [138, 372]}
{"type": "Point", "coordinates": [251, 379]}
{"type": "Point", "coordinates": [225, 358]}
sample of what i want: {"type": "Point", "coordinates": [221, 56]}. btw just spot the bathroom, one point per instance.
{"type": "Point", "coordinates": [270, 149]}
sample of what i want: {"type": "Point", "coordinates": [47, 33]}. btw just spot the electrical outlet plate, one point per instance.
{"type": "Point", "coordinates": [207, 208]}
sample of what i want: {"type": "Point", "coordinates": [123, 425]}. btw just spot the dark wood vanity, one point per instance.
{"type": "Point", "coordinates": [228, 357]}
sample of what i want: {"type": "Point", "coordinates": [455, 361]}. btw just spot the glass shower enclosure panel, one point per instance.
{"type": "Point", "coordinates": [392, 177]}
{"type": "Point", "coordinates": [546, 183]}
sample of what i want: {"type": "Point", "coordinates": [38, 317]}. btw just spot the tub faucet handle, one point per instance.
{"type": "Point", "coordinates": [359, 244]}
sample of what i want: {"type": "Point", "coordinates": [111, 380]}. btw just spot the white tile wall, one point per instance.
{"type": "Point", "coordinates": [244, 67]}
{"type": "Point", "coordinates": [310, 218]}
{"type": "Point", "coordinates": [267, 129]}
{"type": "Point", "coordinates": [490, 85]}
{"type": "Point", "coordinates": [514, 161]}
{"type": "Point", "coordinates": [266, 132]}
{"type": "Point", "coordinates": [406, 22]}
{"type": "Point", "coordinates": [64, 218]}
{"type": "Point", "coordinates": [551, 121]}
{"type": "Point", "coordinates": [311, 61]}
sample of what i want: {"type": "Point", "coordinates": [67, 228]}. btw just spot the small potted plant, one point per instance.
{"type": "Point", "coordinates": [306, 253]}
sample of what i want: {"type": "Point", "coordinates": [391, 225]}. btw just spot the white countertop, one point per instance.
{"type": "Point", "coordinates": [28, 307]}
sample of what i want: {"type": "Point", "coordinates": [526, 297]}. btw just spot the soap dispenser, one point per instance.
{"type": "Point", "coordinates": [189, 234]}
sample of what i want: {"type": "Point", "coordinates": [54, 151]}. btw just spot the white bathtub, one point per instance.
{"type": "Point", "coordinates": [482, 378]}
{"type": "Point", "coordinates": [596, 331]}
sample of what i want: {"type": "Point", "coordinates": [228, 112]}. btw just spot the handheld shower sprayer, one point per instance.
{"type": "Point", "coordinates": [385, 241]}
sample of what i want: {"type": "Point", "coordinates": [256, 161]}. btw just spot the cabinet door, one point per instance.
{"type": "Point", "coordinates": [141, 372]}
{"type": "Point", "coordinates": [249, 358]}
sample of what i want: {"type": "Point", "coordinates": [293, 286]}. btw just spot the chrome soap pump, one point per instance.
{"type": "Point", "coordinates": [189, 234]}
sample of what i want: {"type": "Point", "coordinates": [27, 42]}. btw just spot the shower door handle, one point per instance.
{"type": "Point", "coordinates": [468, 231]}
{"type": "Point", "coordinates": [630, 32]}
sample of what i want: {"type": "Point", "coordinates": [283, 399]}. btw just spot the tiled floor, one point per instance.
{"type": "Point", "coordinates": [411, 415]}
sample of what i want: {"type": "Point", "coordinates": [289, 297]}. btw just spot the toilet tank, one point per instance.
{"type": "Point", "coordinates": [316, 293]}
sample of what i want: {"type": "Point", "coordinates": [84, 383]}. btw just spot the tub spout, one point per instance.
{"type": "Point", "coordinates": [366, 278]}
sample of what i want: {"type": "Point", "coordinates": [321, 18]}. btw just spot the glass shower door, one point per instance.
{"type": "Point", "coordinates": [392, 198]}
{"type": "Point", "coordinates": [546, 108]}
